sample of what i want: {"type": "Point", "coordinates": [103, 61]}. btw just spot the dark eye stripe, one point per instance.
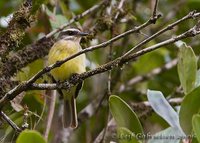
{"type": "Point", "coordinates": [69, 33]}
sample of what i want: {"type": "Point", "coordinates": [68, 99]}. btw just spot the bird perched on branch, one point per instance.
{"type": "Point", "coordinates": [68, 43]}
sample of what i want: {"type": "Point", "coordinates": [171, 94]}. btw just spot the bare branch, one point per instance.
{"type": "Point", "coordinates": [92, 9]}
{"type": "Point", "coordinates": [59, 63]}
{"type": "Point", "coordinates": [50, 114]}
{"type": "Point", "coordinates": [149, 75]}
{"type": "Point", "coordinates": [169, 27]}
{"type": "Point", "coordinates": [10, 122]}
{"type": "Point", "coordinates": [113, 64]}
{"type": "Point", "coordinates": [146, 104]}
{"type": "Point", "coordinates": [155, 9]}
{"type": "Point", "coordinates": [32, 52]}
{"type": "Point", "coordinates": [108, 66]}
{"type": "Point", "coordinates": [40, 48]}
{"type": "Point", "coordinates": [119, 9]}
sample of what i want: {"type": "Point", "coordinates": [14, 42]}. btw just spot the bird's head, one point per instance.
{"type": "Point", "coordinates": [71, 34]}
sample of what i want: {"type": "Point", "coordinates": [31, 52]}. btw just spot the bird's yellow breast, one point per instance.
{"type": "Point", "coordinates": [61, 50]}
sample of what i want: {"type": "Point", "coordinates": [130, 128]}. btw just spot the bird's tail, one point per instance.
{"type": "Point", "coordinates": [70, 113]}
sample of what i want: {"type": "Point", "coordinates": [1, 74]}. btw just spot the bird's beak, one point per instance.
{"type": "Point", "coordinates": [83, 34]}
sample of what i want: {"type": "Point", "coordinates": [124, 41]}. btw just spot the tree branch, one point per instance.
{"type": "Point", "coordinates": [155, 15]}
{"type": "Point", "coordinates": [113, 64]}
{"type": "Point", "coordinates": [59, 63]}
{"type": "Point", "coordinates": [9, 68]}
{"type": "Point", "coordinates": [23, 57]}
{"type": "Point", "coordinates": [39, 49]}
{"type": "Point", "coordinates": [191, 15]}
{"type": "Point", "coordinates": [50, 114]}
{"type": "Point", "coordinates": [110, 65]}
{"type": "Point", "coordinates": [10, 122]}
{"type": "Point", "coordinates": [16, 29]}
{"type": "Point", "coordinates": [149, 75]}
{"type": "Point", "coordinates": [76, 18]}
{"type": "Point", "coordinates": [32, 52]}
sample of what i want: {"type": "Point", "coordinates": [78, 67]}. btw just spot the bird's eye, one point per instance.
{"type": "Point", "coordinates": [70, 33]}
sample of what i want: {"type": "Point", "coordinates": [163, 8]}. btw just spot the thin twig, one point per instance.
{"type": "Point", "coordinates": [121, 3]}
{"type": "Point", "coordinates": [22, 57]}
{"type": "Point", "coordinates": [99, 137]}
{"type": "Point", "coordinates": [50, 114]}
{"type": "Point", "coordinates": [108, 84]}
{"type": "Point", "coordinates": [146, 104]}
{"type": "Point", "coordinates": [110, 65]}
{"type": "Point", "coordinates": [169, 27]}
{"type": "Point", "coordinates": [115, 63]}
{"type": "Point", "coordinates": [23, 86]}
{"type": "Point", "coordinates": [155, 8]}
{"type": "Point", "coordinates": [76, 18]}
{"type": "Point", "coordinates": [10, 122]}
{"type": "Point", "coordinates": [110, 71]}
{"type": "Point", "coordinates": [59, 63]}
{"type": "Point", "coordinates": [92, 108]}
{"type": "Point", "coordinates": [149, 75]}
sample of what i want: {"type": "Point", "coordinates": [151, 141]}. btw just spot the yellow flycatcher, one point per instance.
{"type": "Point", "coordinates": [68, 43]}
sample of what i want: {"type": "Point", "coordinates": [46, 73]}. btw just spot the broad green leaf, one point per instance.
{"type": "Point", "coordinates": [124, 135]}
{"type": "Point", "coordinates": [163, 108]}
{"type": "Point", "coordinates": [189, 107]}
{"type": "Point", "coordinates": [30, 136]}
{"type": "Point", "coordinates": [173, 135]}
{"type": "Point", "coordinates": [193, 4]}
{"type": "Point", "coordinates": [196, 125]}
{"type": "Point", "coordinates": [187, 68]}
{"type": "Point", "coordinates": [124, 115]}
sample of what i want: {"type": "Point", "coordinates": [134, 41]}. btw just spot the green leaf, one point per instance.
{"type": "Point", "coordinates": [196, 125]}
{"type": "Point", "coordinates": [189, 107]}
{"type": "Point", "coordinates": [124, 135]}
{"type": "Point", "coordinates": [30, 136]}
{"type": "Point", "coordinates": [163, 108]}
{"type": "Point", "coordinates": [187, 68]}
{"type": "Point", "coordinates": [169, 132]}
{"type": "Point", "coordinates": [124, 115]}
{"type": "Point", "coordinates": [193, 4]}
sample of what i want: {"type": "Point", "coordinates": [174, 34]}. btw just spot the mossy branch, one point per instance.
{"type": "Point", "coordinates": [15, 32]}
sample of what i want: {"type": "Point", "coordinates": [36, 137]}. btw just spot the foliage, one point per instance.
{"type": "Point", "coordinates": [150, 95]}
{"type": "Point", "coordinates": [30, 136]}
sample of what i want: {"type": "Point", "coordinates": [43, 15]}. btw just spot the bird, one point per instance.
{"type": "Point", "coordinates": [67, 44]}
